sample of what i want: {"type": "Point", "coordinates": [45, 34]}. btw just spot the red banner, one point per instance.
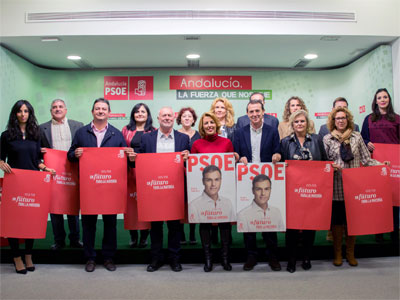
{"type": "Point", "coordinates": [160, 186]}
{"type": "Point", "coordinates": [131, 221]}
{"type": "Point", "coordinates": [210, 82]}
{"type": "Point", "coordinates": [25, 204]}
{"type": "Point", "coordinates": [368, 200]}
{"type": "Point", "coordinates": [103, 181]}
{"type": "Point", "coordinates": [65, 186]}
{"type": "Point", "coordinates": [309, 190]}
{"type": "Point", "coordinates": [390, 152]}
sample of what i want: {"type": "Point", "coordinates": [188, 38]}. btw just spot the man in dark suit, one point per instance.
{"type": "Point", "coordinates": [99, 133]}
{"type": "Point", "coordinates": [165, 139]}
{"type": "Point", "coordinates": [268, 119]}
{"type": "Point", "coordinates": [58, 134]}
{"type": "Point", "coordinates": [258, 142]}
{"type": "Point", "coordinates": [338, 102]}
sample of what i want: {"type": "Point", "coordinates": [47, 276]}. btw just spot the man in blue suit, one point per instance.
{"type": "Point", "coordinates": [163, 140]}
{"type": "Point", "coordinates": [258, 142]}
{"type": "Point", "coordinates": [268, 119]}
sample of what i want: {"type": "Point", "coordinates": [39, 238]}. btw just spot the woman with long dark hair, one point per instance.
{"type": "Point", "coordinates": [383, 126]}
{"type": "Point", "coordinates": [140, 123]}
{"type": "Point", "coordinates": [20, 148]}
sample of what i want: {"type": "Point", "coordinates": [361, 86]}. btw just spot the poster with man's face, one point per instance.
{"type": "Point", "coordinates": [261, 199]}
{"type": "Point", "coordinates": [211, 188]}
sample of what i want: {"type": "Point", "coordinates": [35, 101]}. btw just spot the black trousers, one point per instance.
{"type": "Point", "coordinates": [270, 239]}
{"type": "Point", "coordinates": [109, 245]}
{"type": "Point", "coordinates": [174, 238]}
{"type": "Point", "coordinates": [292, 238]}
{"type": "Point", "coordinates": [14, 245]}
{"type": "Point", "coordinates": [57, 222]}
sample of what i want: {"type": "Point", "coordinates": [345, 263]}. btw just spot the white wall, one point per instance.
{"type": "Point", "coordinates": [396, 74]}
{"type": "Point", "coordinates": [373, 17]}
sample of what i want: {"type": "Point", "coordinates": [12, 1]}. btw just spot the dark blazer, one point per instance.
{"type": "Point", "coordinates": [312, 142]}
{"type": "Point", "coordinates": [85, 137]}
{"type": "Point", "coordinates": [149, 142]}
{"type": "Point", "coordinates": [268, 119]}
{"type": "Point", "coordinates": [269, 142]}
{"type": "Point", "coordinates": [45, 132]}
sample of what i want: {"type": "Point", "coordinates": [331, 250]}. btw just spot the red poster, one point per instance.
{"type": "Point", "coordinates": [131, 221]}
{"type": "Point", "coordinates": [65, 186]}
{"type": "Point", "coordinates": [390, 152]}
{"type": "Point", "coordinates": [116, 87]}
{"type": "Point", "coordinates": [210, 82]}
{"type": "Point", "coordinates": [141, 88]}
{"type": "Point", "coordinates": [368, 200]}
{"type": "Point", "coordinates": [160, 186]}
{"type": "Point", "coordinates": [103, 181]}
{"type": "Point", "coordinates": [309, 190]}
{"type": "Point", "coordinates": [25, 204]}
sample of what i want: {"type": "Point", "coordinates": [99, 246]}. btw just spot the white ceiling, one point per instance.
{"type": "Point", "coordinates": [217, 51]}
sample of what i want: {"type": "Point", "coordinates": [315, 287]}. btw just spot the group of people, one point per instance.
{"type": "Point", "coordinates": [256, 137]}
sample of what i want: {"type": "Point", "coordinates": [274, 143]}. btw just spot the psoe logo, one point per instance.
{"type": "Point", "coordinates": [177, 159]}
{"type": "Point", "coordinates": [121, 154]}
{"type": "Point", "coordinates": [47, 178]}
{"type": "Point", "coordinates": [384, 171]}
{"type": "Point", "coordinates": [140, 90]}
{"type": "Point", "coordinates": [327, 168]}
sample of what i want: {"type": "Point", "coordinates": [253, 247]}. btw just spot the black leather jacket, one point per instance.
{"type": "Point", "coordinates": [312, 142]}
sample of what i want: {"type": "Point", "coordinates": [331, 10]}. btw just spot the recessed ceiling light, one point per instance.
{"type": "Point", "coordinates": [74, 57]}
{"type": "Point", "coordinates": [193, 56]}
{"type": "Point", "coordinates": [50, 39]}
{"type": "Point", "coordinates": [310, 56]}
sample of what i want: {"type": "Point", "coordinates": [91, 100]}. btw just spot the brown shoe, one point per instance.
{"type": "Point", "coordinates": [274, 264]}
{"type": "Point", "coordinates": [109, 265]}
{"type": "Point", "coordinates": [250, 263]}
{"type": "Point", "coordinates": [90, 266]}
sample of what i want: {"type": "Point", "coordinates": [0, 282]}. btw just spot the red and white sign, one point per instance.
{"type": "Point", "coordinates": [272, 114]}
{"type": "Point", "coordinates": [210, 83]}
{"type": "Point", "coordinates": [141, 88]}
{"type": "Point", "coordinates": [160, 186]}
{"type": "Point", "coordinates": [116, 87]}
{"type": "Point", "coordinates": [211, 192]}
{"type": "Point", "coordinates": [131, 221]}
{"type": "Point", "coordinates": [25, 204]}
{"type": "Point", "coordinates": [362, 109]}
{"type": "Point", "coordinates": [65, 184]}
{"type": "Point", "coordinates": [390, 152]}
{"type": "Point", "coordinates": [368, 200]}
{"type": "Point", "coordinates": [103, 181]}
{"type": "Point", "coordinates": [263, 208]}
{"type": "Point", "coordinates": [309, 190]}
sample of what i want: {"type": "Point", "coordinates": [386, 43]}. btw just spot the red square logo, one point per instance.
{"type": "Point", "coordinates": [362, 109]}
{"type": "Point", "coordinates": [141, 88]}
{"type": "Point", "coordinates": [116, 87]}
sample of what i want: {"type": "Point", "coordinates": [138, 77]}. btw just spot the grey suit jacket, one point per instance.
{"type": "Point", "coordinates": [45, 132]}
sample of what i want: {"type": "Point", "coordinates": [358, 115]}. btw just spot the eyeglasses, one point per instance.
{"type": "Point", "coordinates": [341, 119]}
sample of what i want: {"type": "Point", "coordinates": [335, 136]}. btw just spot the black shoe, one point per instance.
{"type": "Point", "coordinates": [274, 264]}
{"type": "Point", "coordinates": [306, 265]}
{"type": "Point", "coordinates": [109, 265]}
{"type": "Point", "coordinates": [226, 265]}
{"type": "Point", "coordinates": [23, 271]}
{"type": "Point", "coordinates": [31, 269]}
{"type": "Point", "coordinates": [291, 267]}
{"type": "Point", "coordinates": [250, 263]}
{"type": "Point", "coordinates": [175, 266]}
{"type": "Point", "coordinates": [90, 266]}
{"type": "Point", "coordinates": [154, 266]}
{"type": "Point", "coordinates": [133, 243]}
{"type": "Point", "coordinates": [76, 244]}
{"type": "Point", "coordinates": [142, 244]}
{"type": "Point", "coordinates": [57, 246]}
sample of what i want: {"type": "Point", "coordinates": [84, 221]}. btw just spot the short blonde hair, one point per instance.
{"type": "Point", "coordinates": [286, 110]}
{"type": "Point", "coordinates": [297, 113]}
{"type": "Point", "coordinates": [214, 118]}
{"type": "Point", "coordinates": [230, 113]}
{"type": "Point", "coordinates": [331, 118]}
